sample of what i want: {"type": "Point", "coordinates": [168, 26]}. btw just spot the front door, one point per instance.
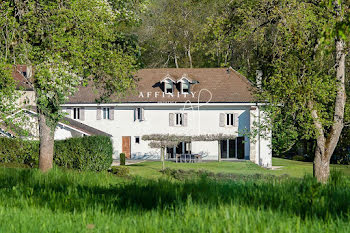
{"type": "Point", "coordinates": [126, 146]}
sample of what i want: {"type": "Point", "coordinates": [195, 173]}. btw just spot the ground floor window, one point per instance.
{"type": "Point", "coordinates": [231, 149]}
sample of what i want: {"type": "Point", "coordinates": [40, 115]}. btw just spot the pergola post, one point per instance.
{"type": "Point", "coordinates": [162, 157]}
{"type": "Point", "coordinates": [219, 150]}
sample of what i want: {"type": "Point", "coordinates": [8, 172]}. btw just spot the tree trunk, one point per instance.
{"type": "Point", "coordinates": [46, 137]}
{"type": "Point", "coordinates": [176, 64]}
{"type": "Point", "coordinates": [189, 56]}
{"type": "Point", "coordinates": [321, 167]}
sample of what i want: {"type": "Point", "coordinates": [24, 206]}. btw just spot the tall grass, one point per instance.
{"type": "Point", "coordinates": [66, 201]}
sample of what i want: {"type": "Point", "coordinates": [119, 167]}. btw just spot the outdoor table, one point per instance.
{"type": "Point", "coordinates": [188, 158]}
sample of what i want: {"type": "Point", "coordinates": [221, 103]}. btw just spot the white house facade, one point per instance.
{"type": "Point", "coordinates": [181, 102]}
{"type": "Point", "coordinates": [186, 102]}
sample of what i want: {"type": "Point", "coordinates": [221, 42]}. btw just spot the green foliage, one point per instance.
{"type": "Point", "coordinates": [298, 158]}
{"type": "Point", "coordinates": [120, 170]}
{"type": "Point", "coordinates": [14, 165]}
{"type": "Point", "coordinates": [19, 151]}
{"type": "Point", "coordinates": [171, 32]}
{"type": "Point", "coordinates": [181, 174]}
{"type": "Point", "coordinates": [122, 158]}
{"type": "Point", "coordinates": [68, 44]}
{"type": "Point", "coordinates": [92, 153]}
{"type": "Point", "coordinates": [68, 201]}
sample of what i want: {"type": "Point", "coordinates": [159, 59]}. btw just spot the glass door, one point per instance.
{"type": "Point", "coordinates": [224, 148]}
{"type": "Point", "coordinates": [232, 149]}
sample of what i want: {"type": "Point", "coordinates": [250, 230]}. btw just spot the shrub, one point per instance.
{"type": "Point", "coordinates": [19, 151]}
{"type": "Point", "coordinates": [120, 170]}
{"type": "Point", "coordinates": [93, 153]}
{"type": "Point", "coordinates": [122, 158]}
{"type": "Point", "coordinates": [14, 165]}
{"type": "Point", "coordinates": [298, 158]}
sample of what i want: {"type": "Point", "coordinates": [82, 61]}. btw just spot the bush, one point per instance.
{"type": "Point", "coordinates": [120, 170]}
{"type": "Point", "coordinates": [122, 158]}
{"type": "Point", "coordinates": [93, 153]}
{"type": "Point", "coordinates": [19, 151]}
{"type": "Point", "coordinates": [298, 158]}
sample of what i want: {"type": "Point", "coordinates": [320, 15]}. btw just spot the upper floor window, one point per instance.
{"type": "Point", "coordinates": [185, 87]}
{"type": "Point", "coordinates": [230, 120]}
{"type": "Point", "coordinates": [106, 113]}
{"type": "Point", "coordinates": [178, 119]}
{"type": "Point", "coordinates": [168, 86]}
{"type": "Point", "coordinates": [76, 113]}
{"type": "Point", "coordinates": [139, 114]}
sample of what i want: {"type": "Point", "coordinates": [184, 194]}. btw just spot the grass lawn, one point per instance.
{"type": "Point", "coordinates": [148, 201]}
{"type": "Point", "coordinates": [289, 167]}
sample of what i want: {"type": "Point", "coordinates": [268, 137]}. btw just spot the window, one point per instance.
{"type": "Point", "coordinates": [106, 113]}
{"type": "Point", "coordinates": [137, 140]}
{"type": "Point", "coordinates": [230, 119]}
{"type": "Point", "coordinates": [179, 119]}
{"type": "Point", "coordinates": [76, 113]}
{"type": "Point", "coordinates": [138, 113]}
{"type": "Point", "coordinates": [185, 87]}
{"type": "Point", "coordinates": [168, 87]}
{"type": "Point", "coordinates": [24, 73]}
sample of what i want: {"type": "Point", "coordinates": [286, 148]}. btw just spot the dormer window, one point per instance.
{"type": "Point", "coordinates": [185, 87]}
{"type": "Point", "coordinates": [185, 84]}
{"type": "Point", "coordinates": [168, 84]}
{"type": "Point", "coordinates": [168, 87]}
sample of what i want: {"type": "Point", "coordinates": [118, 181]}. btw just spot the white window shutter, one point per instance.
{"type": "Point", "coordinates": [69, 111]}
{"type": "Point", "coordinates": [111, 113]}
{"type": "Point", "coordinates": [236, 119]}
{"type": "Point", "coordinates": [98, 113]}
{"type": "Point", "coordinates": [142, 114]}
{"type": "Point", "coordinates": [222, 120]}
{"type": "Point", "coordinates": [185, 123]}
{"type": "Point", "coordinates": [171, 119]}
{"type": "Point", "coordinates": [82, 113]}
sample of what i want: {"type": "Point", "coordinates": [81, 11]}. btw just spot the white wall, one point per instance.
{"type": "Point", "coordinates": [265, 144]}
{"type": "Point", "coordinates": [62, 131]}
{"type": "Point", "coordinates": [204, 121]}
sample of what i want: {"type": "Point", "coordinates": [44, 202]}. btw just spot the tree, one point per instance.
{"type": "Point", "coordinates": [171, 32]}
{"type": "Point", "coordinates": [66, 44]}
{"type": "Point", "coordinates": [301, 47]}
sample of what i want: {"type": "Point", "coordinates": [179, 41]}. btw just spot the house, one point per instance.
{"type": "Point", "coordinates": [182, 102]}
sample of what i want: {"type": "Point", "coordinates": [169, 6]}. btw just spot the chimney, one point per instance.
{"type": "Point", "coordinates": [259, 75]}
{"type": "Point", "coordinates": [29, 71]}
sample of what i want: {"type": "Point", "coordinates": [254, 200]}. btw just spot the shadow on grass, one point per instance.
{"type": "Point", "coordinates": [303, 197]}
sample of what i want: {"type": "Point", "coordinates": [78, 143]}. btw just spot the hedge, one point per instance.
{"type": "Point", "coordinates": [93, 153]}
